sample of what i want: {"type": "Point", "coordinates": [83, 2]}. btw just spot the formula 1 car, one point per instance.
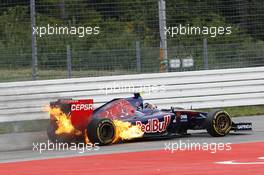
{"type": "Point", "coordinates": [100, 125]}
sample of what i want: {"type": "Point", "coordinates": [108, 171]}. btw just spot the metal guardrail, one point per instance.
{"type": "Point", "coordinates": [194, 89]}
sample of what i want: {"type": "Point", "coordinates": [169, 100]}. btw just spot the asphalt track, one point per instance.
{"type": "Point", "coordinates": [247, 151]}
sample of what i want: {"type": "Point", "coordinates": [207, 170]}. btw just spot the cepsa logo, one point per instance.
{"type": "Point", "coordinates": [82, 107]}
{"type": "Point", "coordinates": [81, 112]}
{"type": "Point", "coordinates": [154, 125]}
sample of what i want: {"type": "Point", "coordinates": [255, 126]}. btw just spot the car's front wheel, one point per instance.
{"type": "Point", "coordinates": [218, 123]}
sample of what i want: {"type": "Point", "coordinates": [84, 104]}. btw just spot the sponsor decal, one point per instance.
{"type": "Point", "coordinates": [154, 125]}
{"type": "Point", "coordinates": [244, 126]}
{"type": "Point", "coordinates": [184, 118]}
{"type": "Point", "coordinates": [81, 112]}
{"type": "Point", "coordinates": [80, 107]}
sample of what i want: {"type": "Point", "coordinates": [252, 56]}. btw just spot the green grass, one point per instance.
{"type": "Point", "coordinates": [7, 75]}
{"type": "Point", "coordinates": [23, 126]}
{"type": "Point", "coordinates": [241, 111]}
{"type": "Point", "coordinates": [245, 110]}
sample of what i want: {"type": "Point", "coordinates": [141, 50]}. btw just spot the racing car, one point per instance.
{"type": "Point", "coordinates": [99, 125]}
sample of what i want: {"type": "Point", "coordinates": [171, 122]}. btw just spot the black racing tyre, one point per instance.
{"type": "Point", "coordinates": [218, 123]}
{"type": "Point", "coordinates": [101, 131]}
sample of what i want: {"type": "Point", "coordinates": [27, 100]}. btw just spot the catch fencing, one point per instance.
{"type": "Point", "coordinates": [131, 37]}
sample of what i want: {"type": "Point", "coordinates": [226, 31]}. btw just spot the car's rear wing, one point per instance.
{"type": "Point", "coordinates": [79, 111]}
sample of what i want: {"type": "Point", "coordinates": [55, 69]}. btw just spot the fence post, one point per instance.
{"type": "Point", "coordinates": [138, 56]}
{"type": "Point", "coordinates": [33, 40]}
{"type": "Point", "coordinates": [205, 53]}
{"type": "Point", "coordinates": [163, 38]}
{"type": "Point", "coordinates": [69, 62]}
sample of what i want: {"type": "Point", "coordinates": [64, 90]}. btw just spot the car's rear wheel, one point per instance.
{"type": "Point", "coordinates": [218, 123]}
{"type": "Point", "coordinates": [101, 131]}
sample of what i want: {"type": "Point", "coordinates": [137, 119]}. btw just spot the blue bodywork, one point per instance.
{"type": "Point", "coordinates": [154, 122]}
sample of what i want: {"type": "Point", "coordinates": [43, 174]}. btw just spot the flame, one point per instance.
{"type": "Point", "coordinates": [63, 121]}
{"type": "Point", "coordinates": [126, 131]}
{"type": "Point", "coordinates": [86, 140]}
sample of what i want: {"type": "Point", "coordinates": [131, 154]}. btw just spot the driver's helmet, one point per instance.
{"type": "Point", "coordinates": [149, 106]}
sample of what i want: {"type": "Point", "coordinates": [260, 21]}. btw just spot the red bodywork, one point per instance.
{"type": "Point", "coordinates": [80, 111]}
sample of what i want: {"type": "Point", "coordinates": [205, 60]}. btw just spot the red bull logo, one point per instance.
{"type": "Point", "coordinates": [154, 125]}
